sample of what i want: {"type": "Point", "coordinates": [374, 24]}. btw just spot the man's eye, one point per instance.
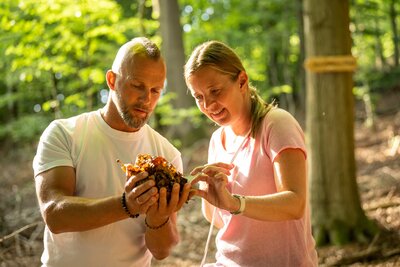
{"type": "Point", "coordinates": [156, 91]}
{"type": "Point", "coordinates": [136, 86]}
{"type": "Point", "coordinates": [215, 91]}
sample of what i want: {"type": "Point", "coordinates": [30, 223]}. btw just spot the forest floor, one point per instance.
{"type": "Point", "coordinates": [378, 177]}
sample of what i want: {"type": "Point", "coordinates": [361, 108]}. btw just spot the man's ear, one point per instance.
{"type": "Point", "coordinates": [110, 78]}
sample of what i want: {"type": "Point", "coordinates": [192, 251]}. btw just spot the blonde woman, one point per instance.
{"type": "Point", "coordinates": [256, 171]}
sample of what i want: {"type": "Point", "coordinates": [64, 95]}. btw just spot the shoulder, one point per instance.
{"type": "Point", "coordinates": [67, 127]}
{"type": "Point", "coordinates": [277, 114]}
{"type": "Point", "coordinates": [279, 123]}
{"type": "Point", "coordinates": [72, 122]}
{"type": "Point", "coordinates": [278, 117]}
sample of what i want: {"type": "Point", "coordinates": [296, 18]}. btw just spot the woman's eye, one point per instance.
{"type": "Point", "coordinates": [198, 97]}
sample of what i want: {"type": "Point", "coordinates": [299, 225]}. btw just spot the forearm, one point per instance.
{"type": "Point", "coordinates": [160, 241]}
{"type": "Point", "coordinates": [280, 206]}
{"type": "Point", "coordinates": [74, 214]}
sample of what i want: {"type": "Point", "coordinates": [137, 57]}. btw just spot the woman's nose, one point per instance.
{"type": "Point", "coordinates": [206, 102]}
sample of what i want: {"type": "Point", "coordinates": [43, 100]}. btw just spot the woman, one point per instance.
{"type": "Point", "coordinates": [256, 176]}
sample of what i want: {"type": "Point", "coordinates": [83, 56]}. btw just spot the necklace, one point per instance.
{"type": "Point", "coordinates": [215, 208]}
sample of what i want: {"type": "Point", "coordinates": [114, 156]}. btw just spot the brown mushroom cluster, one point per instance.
{"type": "Point", "coordinates": [159, 169]}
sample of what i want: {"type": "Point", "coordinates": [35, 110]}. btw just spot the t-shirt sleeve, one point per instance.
{"type": "Point", "coordinates": [281, 131]}
{"type": "Point", "coordinates": [54, 149]}
{"type": "Point", "coordinates": [177, 162]}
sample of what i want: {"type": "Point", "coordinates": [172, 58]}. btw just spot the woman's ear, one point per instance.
{"type": "Point", "coordinates": [110, 78]}
{"type": "Point", "coordinates": [243, 80]}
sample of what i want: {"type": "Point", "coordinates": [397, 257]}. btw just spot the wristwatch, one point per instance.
{"type": "Point", "coordinates": [242, 201]}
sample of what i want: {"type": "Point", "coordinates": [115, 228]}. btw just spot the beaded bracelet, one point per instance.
{"type": "Point", "coordinates": [155, 227]}
{"type": "Point", "coordinates": [125, 207]}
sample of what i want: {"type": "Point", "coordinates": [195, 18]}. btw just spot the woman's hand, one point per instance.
{"type": "Point", "coordinates": [213, 180]}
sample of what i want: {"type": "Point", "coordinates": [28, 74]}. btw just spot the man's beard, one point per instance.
{"type": "Point", "coordinates": [131, 121]}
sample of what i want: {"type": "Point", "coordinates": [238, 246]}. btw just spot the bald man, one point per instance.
{"type": "Point", "coordinates": [94, 214]}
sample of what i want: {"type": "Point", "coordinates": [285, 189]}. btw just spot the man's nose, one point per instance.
{"type": "Point", "coordinates": [145, 95]}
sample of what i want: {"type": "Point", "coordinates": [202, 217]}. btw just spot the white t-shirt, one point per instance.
{"type": "Point", "coordinates": [91, 147]}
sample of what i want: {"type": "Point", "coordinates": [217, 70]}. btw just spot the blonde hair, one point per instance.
{"type": "Point", "coordinates": [222, 58]}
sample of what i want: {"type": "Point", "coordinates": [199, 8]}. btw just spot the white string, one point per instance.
{"type": "Point", "coordinates": [215, 208]}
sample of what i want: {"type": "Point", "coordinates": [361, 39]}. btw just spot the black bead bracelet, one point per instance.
{"type": "Point", "coordinates": [125, 207]}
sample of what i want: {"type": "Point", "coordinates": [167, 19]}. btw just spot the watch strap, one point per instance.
{"type": "Point", "coordinates": [242, 201]}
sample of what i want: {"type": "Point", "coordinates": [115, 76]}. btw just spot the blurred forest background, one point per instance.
{"type": "Point", "coordinates": [54, 55]}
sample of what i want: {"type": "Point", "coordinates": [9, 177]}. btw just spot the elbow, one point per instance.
{"type": "Point", "coordinates": [162, 253]}
{"type": "Point", "coordinates": [49, 214]}
{"type": "Point", "coordinates": [299, 209]}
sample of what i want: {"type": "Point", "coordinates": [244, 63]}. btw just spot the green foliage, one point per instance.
{"type": "Point", "coordinates": [170, 116]}
{"type": "Point", "coordinates": [253, 29]}
{"type": "Point", "coordinates": [55, 53]}
{"type": "Point", "coordinates": [384, 80]}
{"type": "Point", "coordinates": [24, 130]}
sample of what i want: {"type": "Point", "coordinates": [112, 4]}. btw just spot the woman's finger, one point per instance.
{"type": "Point", "coordinates": [200, 177]}
{"type": "Point", "coordinates": [213, 170]}
{"type": "Point", "coordinates": [222, 177]}
{"type": "Point", "coordinates": [222, 165]}
{"type": "Point", "coordinates": [197, 170]}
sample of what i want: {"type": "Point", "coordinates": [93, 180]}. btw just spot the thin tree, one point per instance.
{"type": "Point", "coordinates": [172, 47]}
{"type": "Point", "coordinates": [393, 24]}
{"type": "Point", "coordinates": [337, 216]}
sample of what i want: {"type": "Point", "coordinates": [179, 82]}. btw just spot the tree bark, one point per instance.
{"type": "Point", "coordinates": [172, 44]}
{"type": "Point", "coordinates": [301, 102]}
{"type": "Point", "coordinates": [337, 216]}
{"type": "Point", "coordinates": [173, 51]}
{"type": "Point", "coordinates": [393, 23]}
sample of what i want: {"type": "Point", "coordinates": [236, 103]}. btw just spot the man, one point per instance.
{"type": "Point", "coordinates": [84, 197]}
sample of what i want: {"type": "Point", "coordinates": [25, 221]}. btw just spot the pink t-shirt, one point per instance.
{"type": "Point", "coordinates": [248, 242]}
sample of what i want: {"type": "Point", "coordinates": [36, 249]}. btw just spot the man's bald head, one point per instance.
{"type": "Point", "coordinates": [140, 46]}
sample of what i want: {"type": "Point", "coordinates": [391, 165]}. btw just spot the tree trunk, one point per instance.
{"type": "Point", "coordinates": [379, 46]}
{"type": "Point", "coordinates": [142, 16]}
{"type": "Point", "coordinates": [301, 102]}
{"type": "Point", "coordinates": [337, 216]}
{"type": "Point", "coordinates": [393, 23]}
{"type": "Point", "coordinates": [172, 47]}
{"type": "Point", "coordinates": [172, 44]}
